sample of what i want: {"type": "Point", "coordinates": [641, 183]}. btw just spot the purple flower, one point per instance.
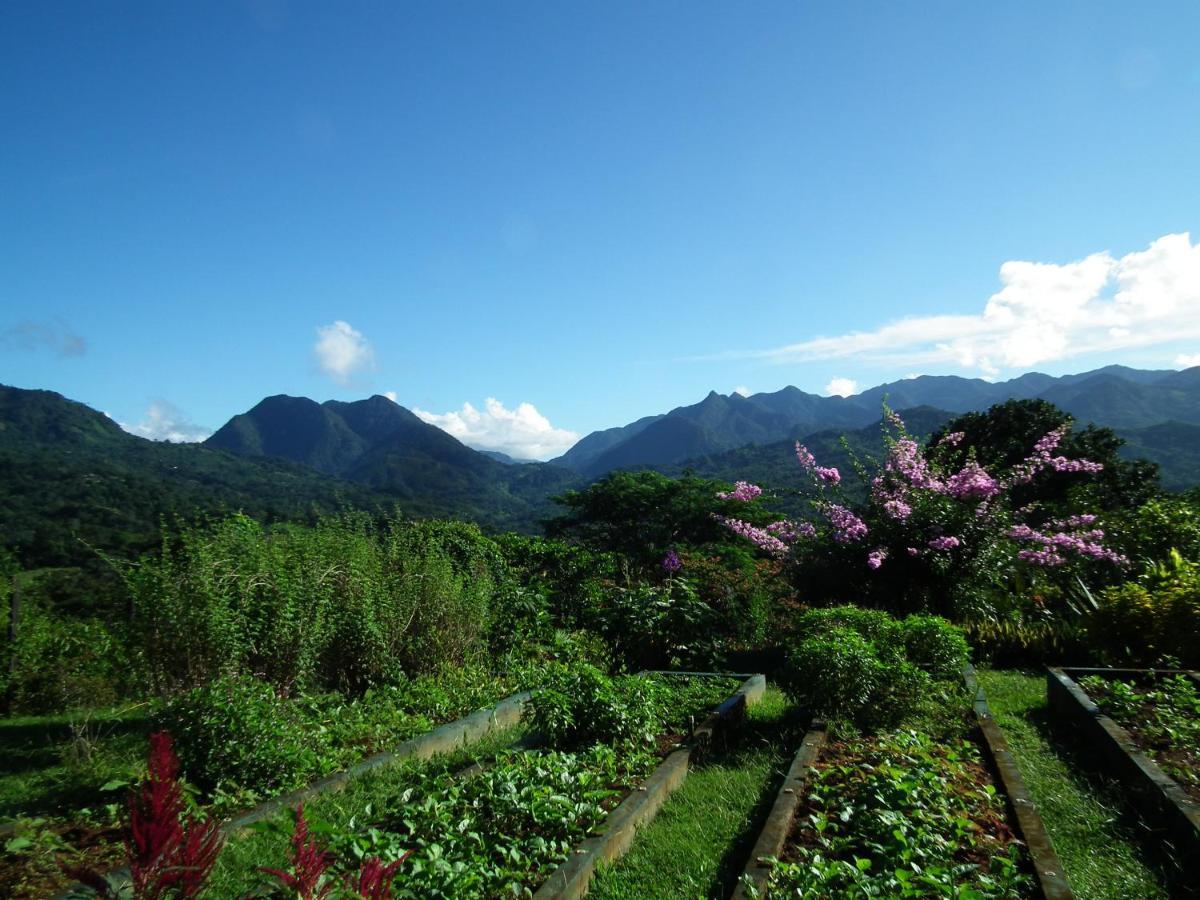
{"type": "Point", "coordinates": [913, 551]}
{"type": "Point", "coordinates": [897, 509]}
{"type": "Point", "coordinates": [906, 460]}
{"type": "Point", "coordinates": [827, 474]}
{"type": "Point", "coordinates": [742, 490]}
{"type": "Point", "coordinates": [847, 527]}
{"type": "Point", "coordinates": [875, 558]}
{"type": "Point", "coordinates": [671, 563]}
{"type": "Point", "coordinates": [953, 439]}
{"type": "Point", "coordinates": [791, 531]}
{"type": "Point", "coordinates": [1041, 458]}
{"type": "Point", "coordinates": [945, 542]}
{"type": "Point", "coordinates": [1069, 535]}
{"type": "Point", "coordinates": [760, 537]}
{"type": "Point", "coordinates": [972, 483]}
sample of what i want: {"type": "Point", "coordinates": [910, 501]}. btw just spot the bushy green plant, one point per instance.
{"type": "Point", "coordinates": [580, 706]}
{"type": "Point", "coordinates": [1012, 643]}
{"type": "Point", "coordinates": [238, 734]}
{"type": "Point", "coordinates": [835, 674]}
{"type": "Point", "coordinates": [62, 663]}
{"type": "Point", "coordinates": [342, 606]}
{"type": "Point", "coordinates": [873, 625]}
{"type": "Point", "coordinates": [1157, 617]}
{"type": "Point", "coordinates": [935, 645]}
{"type": "Point", "coordinates": [660, 626]}
{"type": "Point", "coordinates": [863, 666]}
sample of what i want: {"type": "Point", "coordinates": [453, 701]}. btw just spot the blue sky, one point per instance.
{"type": "Point", "coordinates": [599, 210]}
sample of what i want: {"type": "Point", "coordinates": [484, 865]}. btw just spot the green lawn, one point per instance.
{"type": "Point", "coordinates": [700, 840]}
{"type": "Point", "coordinates": [1098, 850]}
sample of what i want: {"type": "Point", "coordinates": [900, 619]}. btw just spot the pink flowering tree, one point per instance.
{"type": "Point", "coordinates": [937, 530]}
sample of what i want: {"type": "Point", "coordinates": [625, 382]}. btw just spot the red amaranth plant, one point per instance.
{"type": "Point", "coordinates": [169, 852]}
{"type": "Point", "coordinates": [310, 862]}
{"type": "Point", "coordinates": [374, 881]}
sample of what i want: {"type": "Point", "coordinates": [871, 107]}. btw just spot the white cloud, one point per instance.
{"type": "Point", "coordinates": [1187, 360]}
{"type": "Point", "coordinates": [523, 432]}
{"type": "Point", "coordinates": [743, 390]}
{"type": "Point", "coordinates": [342, 351]}
{"type": "Point", "coordinates": [164, 422]}
{"type": "Point", "coordinates": [391, 395]}
{"type": "Point", "coordinates": [1043, 312]}
{"type": "Point", "coordinates": [841, 387]}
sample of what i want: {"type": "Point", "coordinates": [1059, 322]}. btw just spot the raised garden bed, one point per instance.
{"type": "Point", "coordinates": [572, 878]}
{"type": "Point", "coordinates": [1134, 695]}
{"type": "Point", "coordinates": [524, 820]}
{"type": "Point", "coordinates": [967, 793]}
{"type": "Point", "coordinates": [444, 739]}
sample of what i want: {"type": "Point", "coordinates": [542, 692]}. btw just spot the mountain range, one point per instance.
{"type": "Point", "coordinates": [69, 474]}
{"type": "Point", "coordinates": [1157, 412]}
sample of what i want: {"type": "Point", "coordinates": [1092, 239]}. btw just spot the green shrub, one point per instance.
{"type": "Point", "coordinates": [873, 625]}
{"type": "Point", "coordinates": [342, 606]}
{"type": "Point", "coordinates": [660, 627]}
{"type": "Point", "coordinates": [1012, 643]}
{"type": "Point", "coordinates": [238, 734]}
{"type": "Point", "coordinates": [935, 645]}
{"type": "Point", "coordinates": [62, 663]}
{"type": "Point", "coordinates": [834, 674]}
{"type": "Point", "coordinates": [581, 706]}
{"type": "Point", "coordinates": [1146, 622]}
{"type": "Point", "coordinates": [862, 666]}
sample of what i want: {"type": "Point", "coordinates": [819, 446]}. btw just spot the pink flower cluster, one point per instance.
{"type": "Point", "coordinates": [1043, 458]}
{"type": "Point", "coordinates": [792, 531]}
{"type": "Point", "coordinates": [827, 474]}
{"type": "Point", "coordinates": [742, 490]}
{"type": "Point", "coordinates": [875, 558]}
{"type": "Point", "coordinates": [905, 459]}
{"type": "Point", "coordinates": [953, 439]}
{"type": "Point", "coordinates": [847, 527]}
{"type": "Point", "coordinates": [1063, 536]}
{"type": "Point", "coordinates": [760, 537]}
{"type": "Point", "coordinates": [972, 483]}
{"type": "Point", "coordinates": [945, 542]}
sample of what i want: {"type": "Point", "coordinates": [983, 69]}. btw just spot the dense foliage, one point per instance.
{"type": "Point", "coordinates": [863, 666]}
{"type": "Point", "coordinates": [342, 606]}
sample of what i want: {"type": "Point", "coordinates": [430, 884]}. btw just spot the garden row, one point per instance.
{"type": "Point", "coordinates": [939, 807]}
{"type": "Point", "coordinates": [505, 823]}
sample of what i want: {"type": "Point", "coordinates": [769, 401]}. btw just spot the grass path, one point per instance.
{"type": "Point", "coordinates": [1098, 850]}
{"type": "Point", "coordinates": [697, 845]}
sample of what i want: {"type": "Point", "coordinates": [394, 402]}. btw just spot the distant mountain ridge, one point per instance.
{"type": "Point", "coordinates": [69, 474]}
{"type": "Point", "coordinates": [71, 479]}
{"type": "Point", "coordinates": [377, 442]}
{"type": "Point", "coordinates": [1125, 399]}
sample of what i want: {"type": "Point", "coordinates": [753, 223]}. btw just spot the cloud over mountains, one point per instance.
{"type": "Point", "coordinates": [523, 433]}
{"type": "Point", "coordinates": [1043, 312]}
